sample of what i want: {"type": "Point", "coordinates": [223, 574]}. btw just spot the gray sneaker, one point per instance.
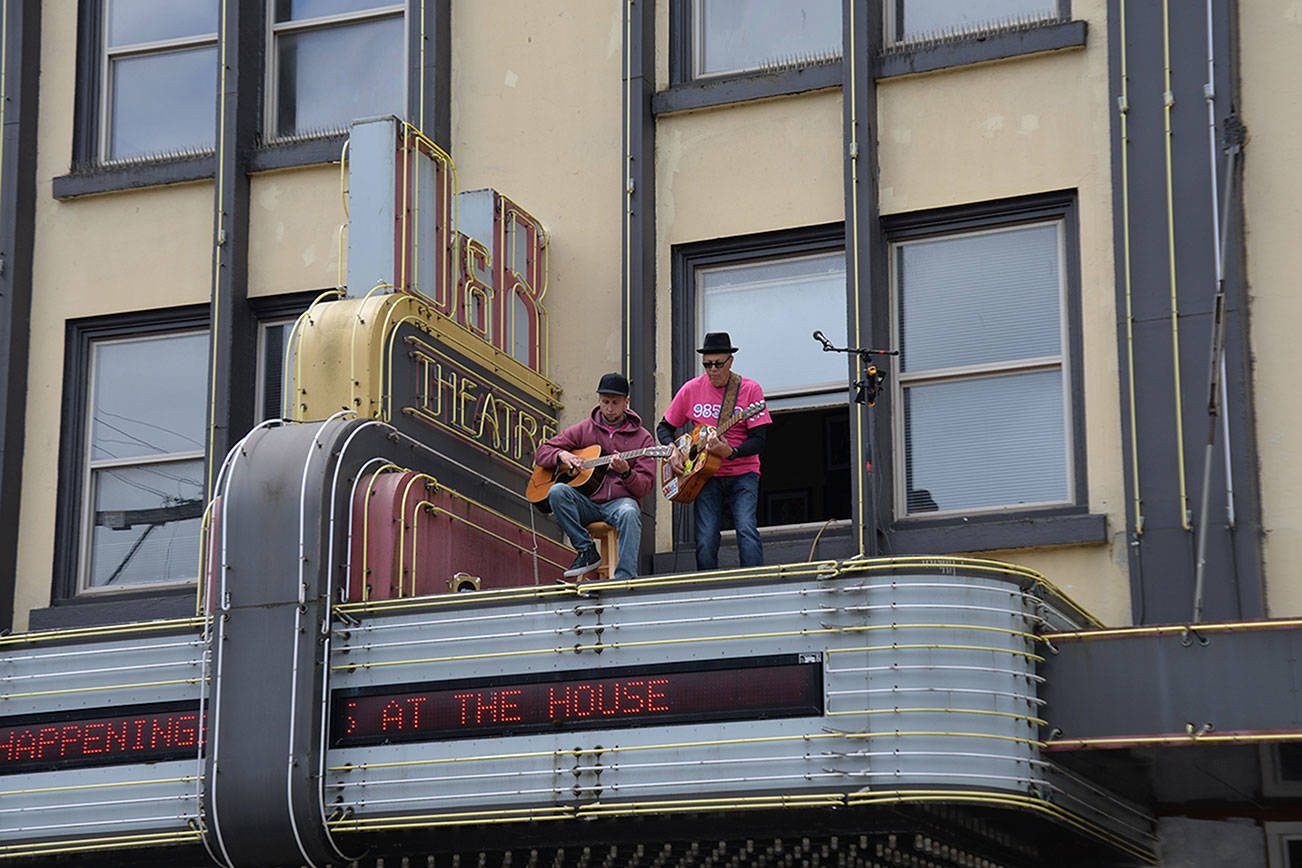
{"type": "Point", "coordinates": [586, 561]}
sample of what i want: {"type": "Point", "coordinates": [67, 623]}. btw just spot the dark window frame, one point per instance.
{"type": "Point", "coordinates": [1068, 524]}
{"type": "Point", "coordinates": [80, 335]}
{"type": "Point", "coordinates": [89, 176]}
{"type": "Point", "coordinates": [780, 541]}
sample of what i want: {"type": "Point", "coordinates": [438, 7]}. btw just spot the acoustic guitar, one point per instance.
{"type": "Point", "coordinates": [699, 464]}
{"type": "Point", "coordinates": [589, 476]}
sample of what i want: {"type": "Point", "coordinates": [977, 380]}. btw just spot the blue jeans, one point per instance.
{"type": "Point", "coordinates": [741, 494]}
{"type": "Point", "coordinates": [575, 511]}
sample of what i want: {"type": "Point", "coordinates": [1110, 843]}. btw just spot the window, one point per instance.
{"type": "Point", "coordinates": [730, 36]}
{"type": "Point", "coordinates": [273, 339]}
{"type": "Point", "coordinates": [142, 486]}
{"type": "Point", "coordinates": [984, 415]}
{"type": "Point", "coordinates": [916, 20]}
{"type": "Point", "coordinates": [331, 62]}
{"type": "Point", "coordinates": [770, 293]}
{"type": "Point", "coordinates": [158, 77]}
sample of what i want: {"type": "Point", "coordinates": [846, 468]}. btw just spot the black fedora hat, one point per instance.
{"type": "Point", "coordinates": [717, 342]}
{"type": "Point", "coordinates": [613, 384]}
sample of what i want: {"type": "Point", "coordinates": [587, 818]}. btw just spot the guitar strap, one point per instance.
{"type": "Point", "coordinates": [729, 398]}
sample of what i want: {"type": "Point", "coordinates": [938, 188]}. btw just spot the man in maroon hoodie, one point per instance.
{"type": "Point", "coordinates": [617, 429]}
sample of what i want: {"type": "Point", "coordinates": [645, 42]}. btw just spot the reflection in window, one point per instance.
{"type": "Point", "coordinates": [909, 20]}
{"type": "Point", "coordinates": [980, 327]}
{"type": "Point", "coordinates": [273, 338]}
{"type": "Point", "coordinates": [332, 62]}
{"type": "Point", "coordinates": [740, 35]}
{"type": "Point", "coordinates": [771, 308]}
{"type": "Point", "coordinates": [160, 77]}
{"type": "Point", "coordinates": [144, 484]}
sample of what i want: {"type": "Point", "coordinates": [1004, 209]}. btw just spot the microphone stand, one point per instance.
{"type": "Point", "coordinates": [866, 392]}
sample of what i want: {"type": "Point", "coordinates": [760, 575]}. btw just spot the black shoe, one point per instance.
{"type": "Point", "coordinates": [587, 560]}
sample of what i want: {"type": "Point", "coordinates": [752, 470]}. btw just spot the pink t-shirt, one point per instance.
{"type": "Point", "coordinates": [699, 403]}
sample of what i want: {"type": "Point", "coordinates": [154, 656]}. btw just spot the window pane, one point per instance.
{"type": "Point", "coordinates": [332, 76]}
{"type": "Point", "coordinates": [146, 524]}
{"type": "Point", "coordinates": [978, 299]}
{"type": "Point", "coordinates": [150, 396]}
{"type": "Point", "coordinates": [273, 368]}
{"type": "Point", "coordinates": [131, 22]}
{"type": "Point", "coordinates": [163, 102]}
{"type": "Point", "coordinates": [771, 310]}
{"type": "Point", "coordinates": [299, 10]}
{"type": "Point", "coordinates": [746, 34]}
{"type": "Point", "coordinates": [922, 18]}
{"type": "Point", "coordinates": [984, 442]}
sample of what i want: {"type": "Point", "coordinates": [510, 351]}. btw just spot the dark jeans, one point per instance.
{"type": "Point", "coordinates": [741, 495]}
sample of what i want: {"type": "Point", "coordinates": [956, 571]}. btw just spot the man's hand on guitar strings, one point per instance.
{"type": "Point", "coordinates": [676, 459]}
{"type": "Point", "coordinates": [619, 465]}
{"type": "Point", "coordinates": [572, 462]}
{"type": "Point", "coordinates": [717, 446]}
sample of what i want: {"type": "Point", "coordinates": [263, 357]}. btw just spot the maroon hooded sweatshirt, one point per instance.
{"type": "Point", "coordinates": [628, 436]}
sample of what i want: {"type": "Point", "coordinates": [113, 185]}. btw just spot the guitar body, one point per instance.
{"type": "Point", "coordinates": [587, 480]}
{"type": "Point", "coordinates": [699, 466]}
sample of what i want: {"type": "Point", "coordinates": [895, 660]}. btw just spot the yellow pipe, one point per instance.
{"type": "Point", "coordinates": [918, 647]}
{"type": "Point", "coordinates": [1123, 111]}
{"type": "Point", "coordinates": [101, 687]}
{"type": "Point", "coordinates": [366, 525]}
{"type": "Point", "coordinates": [402, 531]}
{"type": "Point", "coordinates": [1168, 629]}
{"type": "Point", "coordinates": [11, 851]}
{"type": "Point", "coordinates": [88, 632]}
{"type": "Point", "coordinates": [100, 786]}
{"type": "Point", "coordinates": [204, 528]}
{"type": "Point", "coordinates": [286, 411]}
{"type": "Point", "coordinates": [1168, 99]}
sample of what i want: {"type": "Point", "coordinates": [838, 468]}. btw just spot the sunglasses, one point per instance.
{"type": "Point", "coordinates": [708, 365]}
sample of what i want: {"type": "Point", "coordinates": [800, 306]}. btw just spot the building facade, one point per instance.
{"type": "Point", "coordinates": [1047, 243]}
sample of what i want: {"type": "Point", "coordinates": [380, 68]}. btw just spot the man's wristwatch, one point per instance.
{"type": "Point", "coordinates": [733, 453]}
{"type": "Point", "coordinates": [626, 474]}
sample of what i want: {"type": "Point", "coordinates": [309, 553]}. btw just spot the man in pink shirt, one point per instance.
{"type": "Point", "coordinates": [736, 483]}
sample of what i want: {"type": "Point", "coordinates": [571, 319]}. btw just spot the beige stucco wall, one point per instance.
{"type": "Point", "coordinates": [1272, 191]}
{"type": "Point", "coordinates": [294, 220]}
{"type": "Point", "coordinates": [536, 114]}
{"type": "Point", "coordinates": [117, 252]}
{"type": "Point", "coordinates": [963, 135]}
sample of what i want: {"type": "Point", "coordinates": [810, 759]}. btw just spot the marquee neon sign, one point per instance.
{"type": "Point", "coordinates": [151, 734]}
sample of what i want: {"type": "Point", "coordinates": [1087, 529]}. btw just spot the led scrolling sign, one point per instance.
{"type": "Point", "coordinates": [764, 687]}
{"type": "Point", "coordinates": [99, 738]}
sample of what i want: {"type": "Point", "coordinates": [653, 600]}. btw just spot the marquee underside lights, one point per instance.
{"type": "Point", "coordinates": [745, 689]}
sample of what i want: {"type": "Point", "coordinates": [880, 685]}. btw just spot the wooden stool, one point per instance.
{"type": "Point", "coordinates": [606, 539]}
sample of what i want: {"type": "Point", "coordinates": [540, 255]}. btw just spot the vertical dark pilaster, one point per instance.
{"type": "Point", "coordinates": [233, 356]}
{"type": "Point", "coordinates": [429, 72]}
{"type": "Point", "coordinates": [639, 241]}
{"type": "Point", "coordinates": [865, 267]}
{"type": "Point", "coordinates": [21, 34]}
{"type": "Point", "coordinates": [1165, 221]}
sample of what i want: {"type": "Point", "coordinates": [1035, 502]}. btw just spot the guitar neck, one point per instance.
{"type": "Point", "coordinates": [606, 459]}
{"type": "Point", "coordinates": [727, 426]}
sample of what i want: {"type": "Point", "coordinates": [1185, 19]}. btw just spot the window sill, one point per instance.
{"type": "Point", "coordinates": [982, 48]}
{"type": "Point", "coordinates": [298, 152]}
{"type": "Point", "coordinates": [993, 533]}
{"type": "Point", "coordinates": [787, 545]}
{"type": "Point", "coordinates": [132, 176]}
{"type": "Point", "coordinates": [709, 92]}
{"type": "Point", "coordinates": [126, 608]}
{"type": "Point", "coordinates": [161, 173]}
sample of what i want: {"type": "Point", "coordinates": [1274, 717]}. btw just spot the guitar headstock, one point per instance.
{"type": "Point", "coordinates": [752, 410]}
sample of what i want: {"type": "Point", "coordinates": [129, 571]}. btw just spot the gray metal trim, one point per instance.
{"type": "Point", "coordinates": [232, 363]}
{"type": "Point", "coordinates": [436, 113]}
{"type": "Point", "coordinates": [1162, 555]}
{"type": "Point", "coordinates": [1237, 680]}
{"type": "Point", "coordinates": [17, 234]}
{"type": "Point", "coordinates": [305, 152]}
{"type": "Point", "coordinates": [865, 266]}
{"type": "Point", "coordinates": [707, 92]}
{"type": "Point", "coordinates": [638, 253]}
{"type": "Point", "coordinates": [929, 57]}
